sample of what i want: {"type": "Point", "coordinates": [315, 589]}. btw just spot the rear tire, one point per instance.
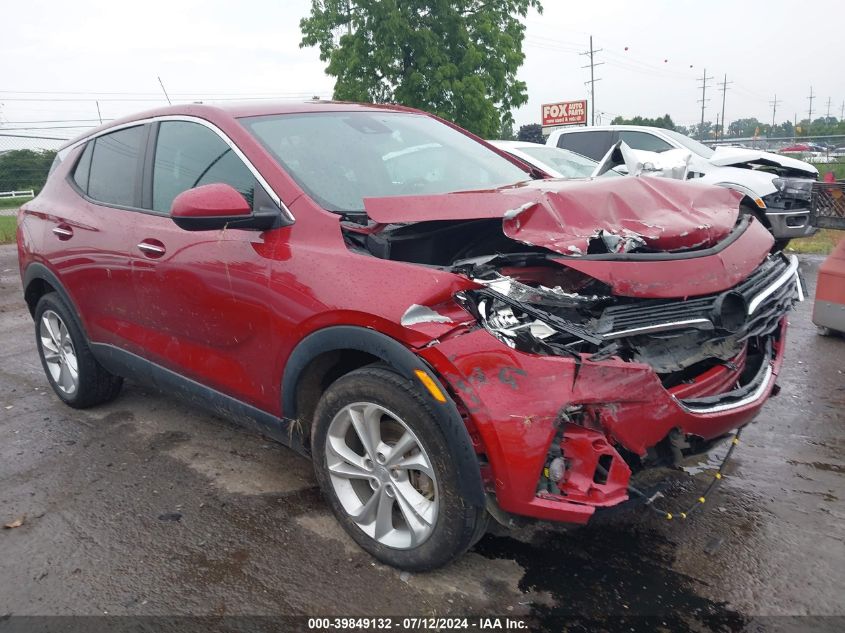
{"type": "Point", "coordinates": [71, 369]}
{"type": "Point", "coordinates": [383, 495]}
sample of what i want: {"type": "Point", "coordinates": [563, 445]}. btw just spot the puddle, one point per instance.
{"type": "Point", "coordinates": [610, 578]}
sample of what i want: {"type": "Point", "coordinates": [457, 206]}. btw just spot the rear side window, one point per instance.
{"type": "Point", "coordinates": [189, 155]}
{"type": "Point", "coordinates": [590, 144]}
{"type": "Point", "coordinates": [83, 168]}
{"type": "Point", "coordinates": [644, 141]}
{"type": "Point", "coordinates": [113, 177]}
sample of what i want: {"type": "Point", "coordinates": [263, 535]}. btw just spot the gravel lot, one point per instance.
{"type": "Point", "coordinates": [101, 491]}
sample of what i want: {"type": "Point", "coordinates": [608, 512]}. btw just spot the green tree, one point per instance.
{"type": "Point", "coordinates": [746, 128]}
{"type": "Point", "coordinates": [23, 169]}
{"type": "Point", "coordinates": [531, 133]}
{"type": "Point", "coordinates": [455, 58]}
{"type": "Point", "coordinates": [506, 131]}
{"type": "Point", "coordinates": [664, 121]}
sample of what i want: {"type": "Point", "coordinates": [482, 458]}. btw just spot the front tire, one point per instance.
{"type": "Point", "coordinates": [383, 465]}
{"type": "Point", "coordinates": [71, 369]}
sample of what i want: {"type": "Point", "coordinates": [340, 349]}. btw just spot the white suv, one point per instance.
{"type": "Point", "coordinates": [776, 188]}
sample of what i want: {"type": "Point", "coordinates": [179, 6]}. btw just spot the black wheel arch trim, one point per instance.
{"type": "Point", "coordinates": [404, 361]}
{"type": "Point", "coordinates": [37, 271]}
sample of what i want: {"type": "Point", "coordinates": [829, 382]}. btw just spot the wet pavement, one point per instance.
{"type": "Point", "coordinates": [149, 507]}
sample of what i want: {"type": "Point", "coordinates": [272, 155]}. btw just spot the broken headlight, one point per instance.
{"type": "Point", "coordinates": [793, 188]}
{"type": "Point", "coordinates": [535, 318]}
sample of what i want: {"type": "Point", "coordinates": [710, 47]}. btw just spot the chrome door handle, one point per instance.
{"type": "Point", "coordinates": [152, 249]}
{"type": "Point", "coordinates": [62, 232]}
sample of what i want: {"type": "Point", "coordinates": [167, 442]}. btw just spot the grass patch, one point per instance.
{"type": "Point", "coordinates": [837, 168]}
{"type": "Point", "coordinates": [819, 244]}
{"type": "Point", "coordinates": [8, 228]}
{"type": "Point", "coordinates": [12, 203]}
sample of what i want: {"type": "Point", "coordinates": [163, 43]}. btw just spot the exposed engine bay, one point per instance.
{"type": "Point", "coordinates": [532, 303]}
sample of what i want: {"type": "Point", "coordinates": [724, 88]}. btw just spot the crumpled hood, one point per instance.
{"type": "Point", "coordinates": [568, 216]}
{"type": "Point", "coordinates": [731, 156]}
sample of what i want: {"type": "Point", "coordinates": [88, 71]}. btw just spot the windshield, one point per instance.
{"type": "Point", "coordinates": [340, 158]}
{"type": "Point", "coordinates": [692, 145]}
{"type": "Point", "coordinates": [568, 164]}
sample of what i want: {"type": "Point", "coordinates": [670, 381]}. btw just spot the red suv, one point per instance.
{"type": "Point", "coordinates": [446, 333]}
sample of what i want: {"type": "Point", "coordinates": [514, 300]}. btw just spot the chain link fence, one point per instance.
{"type": "Point", "coordinates": [24, 164]}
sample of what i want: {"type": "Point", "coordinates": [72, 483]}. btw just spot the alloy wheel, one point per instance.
{"type": "Point", "coordinates": [58, 352]}
{"type": "Point", "coordinates": [382, 475]}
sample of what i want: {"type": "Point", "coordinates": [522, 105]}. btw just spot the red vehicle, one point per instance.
{"type": "Point", "coordinates": [445, 333]}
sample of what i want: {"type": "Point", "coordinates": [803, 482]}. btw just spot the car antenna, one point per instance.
{"type": "Point", "coordinates": [163, 90]}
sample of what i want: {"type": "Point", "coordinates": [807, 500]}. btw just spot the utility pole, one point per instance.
{"type": "Point", "coordinates": [827, 116]}
{"type": "Point", "coordinates": [593, 79]}
{"type": "Point", "coordinates": [704, 79]}
{"type": "Point", "coordinates": [774, 103]}
{"type": "Point", "coordinates": [842, 112]}
{"type": "Point", "coordinates": [724, 90]}
{"type": "Point", "coordinates": [810, 112]}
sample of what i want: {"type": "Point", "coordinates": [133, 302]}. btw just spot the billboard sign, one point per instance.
{"type": "Point", "coordinates": [564, 113]}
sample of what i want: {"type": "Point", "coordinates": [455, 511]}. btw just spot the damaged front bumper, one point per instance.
{"type": "Point", "coordinates": [559, 435]}
{"type": "Point", "coordinates": [601, 415]}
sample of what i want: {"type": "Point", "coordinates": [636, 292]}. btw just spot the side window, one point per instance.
{"type": "Point", "coordinates": [590, 144]}
{"type": "Point", "coordinates": [113, 176]}
{"type": "Point", "coordinates": [644, 141]}
{"type": "Point", "coordinates": [83, 167]}
{"type": "Point", "coordinates": [189, 155]}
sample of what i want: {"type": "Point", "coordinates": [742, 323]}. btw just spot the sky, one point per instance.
{"type": "Point", "coordinates": [61, 58]}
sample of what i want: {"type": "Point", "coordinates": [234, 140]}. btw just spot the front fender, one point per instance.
{"type": "Point", "coordinates": [405, 362]}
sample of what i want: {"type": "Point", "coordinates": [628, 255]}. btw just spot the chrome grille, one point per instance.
{"type": "Point", "coordinates": [770, 290]}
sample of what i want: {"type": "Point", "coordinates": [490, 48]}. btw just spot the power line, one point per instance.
{"type": "Point", "coordinates": [704, 79]}
{"type": "Point", "coordinates": [593, 80]}
{"type": "Point", "coordinates": [50, 121]}
{"type": "Point", "coordinates": [46, 127]}
{"type": "Point", "coordinates": [148, 94]}
{"type": "Point", "coordinates": [49, 138]}
{"type": "Point", "coordinates": [304, 95]}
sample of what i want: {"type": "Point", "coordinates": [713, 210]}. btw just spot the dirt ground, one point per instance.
{"type": "Point", "coordinates": [149, 507]}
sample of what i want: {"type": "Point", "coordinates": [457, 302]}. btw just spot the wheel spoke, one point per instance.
{"type": "Point", "coordinates": [367, 427]}
{"type": "Point", "coordinates": [384, 514]}
{"type": "Point", "coordinates": [405, 443]}
{"type": "Point", "coordinates": [414, 508]}
{"type": "Point", "coordinates": [349, 470]}
{"type": "Point", "coordinates": [416, 462]}
{"type": "Point", "coordinates": [65, 378]}
{"type": "Point", "coordinates": [64, 337]}
{"type": "Point", "coordinates": [50, 322]}
{"type": "Point", "coordinates": [51, 356]}
{"type": "Point", "coordinates": [366, 513]}
{"type": "Point", "coordinates": [47, 342]}
{"type": "Point", "coordinates": [341, 450]}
